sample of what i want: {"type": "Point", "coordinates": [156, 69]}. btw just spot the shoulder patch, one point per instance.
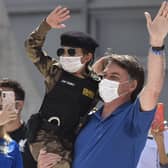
{"type": "Point", "coordinates": [88, 93]}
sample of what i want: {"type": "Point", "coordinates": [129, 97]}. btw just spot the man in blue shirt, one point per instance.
{"type": "Point", "coordinates": [116, 134]}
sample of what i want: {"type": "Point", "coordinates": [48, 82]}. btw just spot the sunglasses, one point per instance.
{"type": "Point", "coordinates": [61, 52]}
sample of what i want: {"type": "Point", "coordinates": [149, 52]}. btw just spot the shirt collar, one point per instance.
{"type": "Point", "coordinates": [116, 112]}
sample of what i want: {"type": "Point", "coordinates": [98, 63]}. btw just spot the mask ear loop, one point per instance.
{"type": "Point", "coordinates": [122, 94]}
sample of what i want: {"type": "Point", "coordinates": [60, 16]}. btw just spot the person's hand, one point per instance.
{"type": "Point", "coordinates": [100, 65]}
{"type": "Point", "coordinates": [56, 18]}
{"type": "Point", "coordinates": [158, 135]}
{"type": "Point", "coordinates": [7, 114]}
{"type": "Point", "coordinates": [48, 160]}
{"type": "Point", "coordinates": [159, 138]}
{"type": "Point", "coordinates": [158, 27]}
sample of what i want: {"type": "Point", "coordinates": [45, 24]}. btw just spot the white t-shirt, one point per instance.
{"type": "Point", "coordinates": [166, 140]}
{"type": "Point", "coordinates": [149, 156]}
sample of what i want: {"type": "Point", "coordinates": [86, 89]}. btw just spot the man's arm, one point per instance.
{"type": "Point", "coordinates": [161, 149]}
{"type": "Point", "coordinates": [35, 41]}
{"type": "Point", "coordinates": [33, 45]}
{"type": "Point", "coordinates": [159, 138]}
{"type": "Point", "coordinates": [158, 29]}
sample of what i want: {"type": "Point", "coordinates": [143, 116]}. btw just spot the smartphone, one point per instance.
{"type": "Point", "coordinates": [158, 122]}
{"type": "Point", "coordinates": [7, 98]}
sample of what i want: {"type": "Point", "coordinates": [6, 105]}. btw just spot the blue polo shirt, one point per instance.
{"type": "Point", "coordinates": [113, 142]}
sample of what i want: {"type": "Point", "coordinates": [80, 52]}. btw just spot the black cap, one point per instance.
{"type": "Point", "coordinates": [78, 40]}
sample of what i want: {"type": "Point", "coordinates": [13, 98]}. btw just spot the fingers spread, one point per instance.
{"type": "Point", "coordinates": [62, 11]}
{"type": "Point", "coordinates": [163, 6]}
{"type": "Point", "coordinates": [57, 9]}
{"type": "Point", "coordinates": [148, 18]}
{"type": "Point", "coordinates": [66, 13]}
{"type": "Point", "coordinates": [166, 13]}
{"type": "Point", "coordinates": [64, 18]}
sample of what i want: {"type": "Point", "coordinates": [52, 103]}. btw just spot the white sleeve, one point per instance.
{"type": "Point", "coordinates": [166, 140]}
{"type": "Point", "coordinates": [149, 156]}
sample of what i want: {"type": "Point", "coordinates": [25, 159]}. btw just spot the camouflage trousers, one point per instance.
{"type": "Point", "coordinates": [52, 144]}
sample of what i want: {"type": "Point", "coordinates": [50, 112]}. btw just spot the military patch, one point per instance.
{"type": "Point", "coordinates": [88, 93]}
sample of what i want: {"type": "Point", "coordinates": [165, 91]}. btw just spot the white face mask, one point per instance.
{"type": "Point", "coordinates": [108, 90]}
{"type": "Point", "coordinates": [71, 64]}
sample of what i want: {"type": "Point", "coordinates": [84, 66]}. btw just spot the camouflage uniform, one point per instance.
{"type": "Point", "coordinates": [51, 70]}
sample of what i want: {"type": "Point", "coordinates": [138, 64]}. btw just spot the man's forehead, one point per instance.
{"type": "Point", "coordinates": [115, 69]}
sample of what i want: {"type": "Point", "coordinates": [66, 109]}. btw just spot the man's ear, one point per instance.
{"type": "Point", "coordinates": [87, 58]}
{"type": "Point", "coordinates": [19, 105]}
{"type": "Point", "coordinates": [133, 85]}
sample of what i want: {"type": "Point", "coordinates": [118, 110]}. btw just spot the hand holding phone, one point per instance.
{"type": "Point", "coordinates": [7, 107]}
{"type": "Point", "coordinates": [8, 99]}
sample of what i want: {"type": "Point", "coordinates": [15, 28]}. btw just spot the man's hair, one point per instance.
{"type": "Point", "coordinates": [85, 52]}
{"type": "Point", "coordinates": [134, 69]}
{"type": "Point", "coordinates": [15, 86]}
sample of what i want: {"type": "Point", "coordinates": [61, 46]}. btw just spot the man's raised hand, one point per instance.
{"type": "Point", "coordinates": [56, 18]}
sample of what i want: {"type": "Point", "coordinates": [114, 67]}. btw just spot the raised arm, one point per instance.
{"type": "Point", "coordinates": [35, 41]}
{"type": "Point", "coordinates": [158, 29]}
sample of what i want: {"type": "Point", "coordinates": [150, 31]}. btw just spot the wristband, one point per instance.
{"type": "Point", "coordinates": [158, 50]}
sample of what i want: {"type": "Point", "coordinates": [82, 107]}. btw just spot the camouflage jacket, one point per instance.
{"type": "Point", "coordinates": [48, 66]}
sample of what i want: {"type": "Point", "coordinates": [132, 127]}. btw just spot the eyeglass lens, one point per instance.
{"type": "Point", "coordinates": [61, 52]}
